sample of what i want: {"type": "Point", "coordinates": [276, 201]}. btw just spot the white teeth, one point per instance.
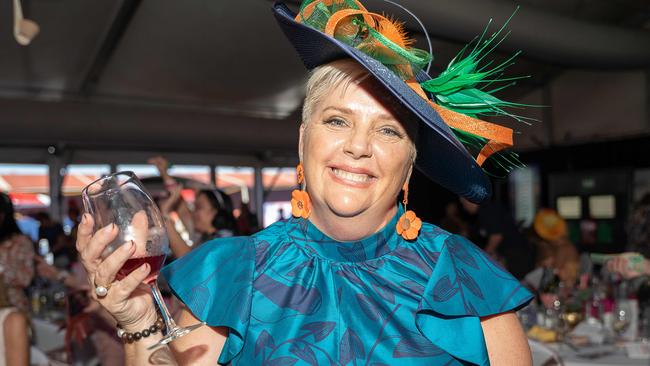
{"type": "Point", "coordinates": [361, 178]}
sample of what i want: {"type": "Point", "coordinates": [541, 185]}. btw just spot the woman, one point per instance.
{"type": "Point", "coordinates": [16, 256]}
{"type": "Point", "coordinates": [211, 218]}
{"type": "Point", "coordinates": [14, 332]}
{"type": "Point", "coordinates": [352, 278]}
{"type": "Point", "coordinates": [212, 215]}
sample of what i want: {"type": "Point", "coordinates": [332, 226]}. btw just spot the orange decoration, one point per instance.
{"type": "Point", "coordinates": [549, 225]}
{"type": "Point", "coordinates": [300, 204]}
{"type": "Point", "coordinates": [405, 201]}
{"type": "Point", "coordinates": [300, 173]}
{"type": "Point", "coordinates": [499, 137]}
{"type": "Point", "coordinates": [408, 226]}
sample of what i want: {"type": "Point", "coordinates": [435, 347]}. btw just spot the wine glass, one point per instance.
{"type": "Point", "coordinates": [622, 314]}
{"type": "Point", "coordinates": [120, 199]}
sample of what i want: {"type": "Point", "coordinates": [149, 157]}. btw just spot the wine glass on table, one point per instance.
{"type": "Point", "coordinates": [120, 199]}
{"type": "Point", "coordinates": [622, 317]}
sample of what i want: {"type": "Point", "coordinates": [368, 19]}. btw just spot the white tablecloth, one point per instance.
{"type": "Point", "coordinates": [47, 335]}
{"type": "Point", "coordinates": [617, 358]}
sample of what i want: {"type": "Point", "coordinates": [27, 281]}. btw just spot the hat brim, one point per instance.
{"type": "Point", "coordinates": [441, 156]}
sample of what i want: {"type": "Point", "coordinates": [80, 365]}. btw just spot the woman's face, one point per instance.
{"type": "Point", "coordinates": [356, 154]}
{"type": "Point", "coordinates": [203, 214]}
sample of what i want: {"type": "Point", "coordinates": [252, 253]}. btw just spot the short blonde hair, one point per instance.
{"type": "Point", "coordinates": [329, 76]}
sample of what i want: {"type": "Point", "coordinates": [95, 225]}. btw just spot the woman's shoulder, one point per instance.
{"type": "Point", "coordinates": [433, 237]}
{"type": "Point", "coordinates": [18, 240]}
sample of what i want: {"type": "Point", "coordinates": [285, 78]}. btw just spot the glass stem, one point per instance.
{"type": "Point", "coordinates": [170, 324]}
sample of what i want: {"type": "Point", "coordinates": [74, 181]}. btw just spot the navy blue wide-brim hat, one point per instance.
{"type": "Point", "coordinates": [441, 156]}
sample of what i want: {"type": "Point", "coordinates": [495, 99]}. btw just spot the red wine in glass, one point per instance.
{"type": "Point", "coordinates": [154, 261]}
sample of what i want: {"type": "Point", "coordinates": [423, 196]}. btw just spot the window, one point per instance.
{"type": "Point", "coordinates": [28, 185]}
{"type": "Point", "coordinates": [569, 207]}
{"type": "Point", "coordinates": [602, 207]}
{"type": "Point", "coordinates": [278, 184]}
{"type": "Point", "coordinates": [78, 176]}
{"type": "Point", "coordinates": [525, 188]}
{"type": "Point", "coordinates": [141, 170]}
{"type": "Point", "coordinates": [237, 182]}
{"type": "Point", "coordinates": [200, 173]}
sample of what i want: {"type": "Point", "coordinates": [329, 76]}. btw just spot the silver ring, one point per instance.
{"type": "Point", "coordinates": [102, 291]}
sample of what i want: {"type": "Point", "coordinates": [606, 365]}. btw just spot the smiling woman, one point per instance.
{"type": "Point", "coordinates": [353, 277]}
{"type": "Point", "coordinates": [356, 153]}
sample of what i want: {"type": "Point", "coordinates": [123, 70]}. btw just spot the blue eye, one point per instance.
{"type": "Point", "coordinates": [336, 122]}
{"type": "Point", "coordinates": [390, 132]}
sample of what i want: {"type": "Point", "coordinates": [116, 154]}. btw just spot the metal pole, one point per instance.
{"type": "Point", "coordinates": [213, 175]}
{"type": "Point", "coordinates": [259, 196]}
{"type": "Point", "coordinates": [56, 165]}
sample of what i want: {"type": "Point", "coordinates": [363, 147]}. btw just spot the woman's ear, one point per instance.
{"type": "Point", "coordinates": [301, 139]}
{"type": "Point", "coordinates": [408, 174]}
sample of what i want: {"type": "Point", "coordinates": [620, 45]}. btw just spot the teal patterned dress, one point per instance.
{"type": "Point", "coordinates": [290, 295]}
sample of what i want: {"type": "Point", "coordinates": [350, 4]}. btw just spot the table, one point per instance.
{"type": "Point", "coordinates": [47, 335]}
{"type": "Point", "coordinates": [617, 358]}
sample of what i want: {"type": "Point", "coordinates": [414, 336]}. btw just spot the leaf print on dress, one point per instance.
{"type": "Point", "coordinates": [412, 286]}
{"type": "Point", "coordinates": [350, 276]}
{"type": "Point", "coordinates": [381, 247]}
{"type": "Point", "coordinates": [470, 284]}
{"type": "Point", "coordinates": [415, 345]}
{"type": "Point", "coordinates": [283, 361]}
{"type": "Point", "coordinates": [350, 348]}
{"type": "Point", "coordinates": [300, 267]}
{"type": "Point", "coordinates": [296, 297]}
{"type": "Point", "coordinates": [444, 290]}
{"type": "Point", "coordinates": [198, 298]}
{"type": "Point", "coordinates": [264, 340]}
{"type": "Point", "coordinates": [320, 330]}
{"type": "Point", "coordinates": [262, 254]}
{"type": "Point", "coordinates": [369, 307]}
{"type": "Point", "coordinates": [411, 257]}
{"type": "Point", "coordinates": [460, 252]}
{"type": "Point", "coordinates": [306, 354]}
{"type": "Point", "coordinates": [353, 252]}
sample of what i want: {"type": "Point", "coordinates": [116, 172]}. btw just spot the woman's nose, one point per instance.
{"type": "Point", "coordinates": [358, 144]}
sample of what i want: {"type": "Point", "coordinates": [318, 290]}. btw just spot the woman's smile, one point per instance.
{"type": "Point", "coordinates": [353, 177]}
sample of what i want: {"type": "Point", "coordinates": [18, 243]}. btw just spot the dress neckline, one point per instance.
{"type": "Point", "coordinates": [308, 237]}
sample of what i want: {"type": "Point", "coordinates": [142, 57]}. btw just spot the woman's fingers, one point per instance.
{"type": "Point", "coordinates": [92, 251]}
{"type": "Point", "coordinates": [84, 231]}
{"type": "Point", "coordinates": [108, 269]}
{"type": "Point", "coordinates": [129, 283]}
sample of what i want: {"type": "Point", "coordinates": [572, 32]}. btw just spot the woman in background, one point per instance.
{"type": "Point", "coordinates": [14, 333]}
{"type": "Point", "coordinates": [16, 256]}
{"type": "Point", "coordinates": [211, 217]}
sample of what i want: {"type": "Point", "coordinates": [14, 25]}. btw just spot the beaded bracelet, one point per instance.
{"type": "Point", "coordinates": [134, 337]}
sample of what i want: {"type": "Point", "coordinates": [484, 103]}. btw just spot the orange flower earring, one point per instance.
{"type": "Point", "coordinates": [300, 203]}
{"type": "Point", "coordinates": [408, 225]}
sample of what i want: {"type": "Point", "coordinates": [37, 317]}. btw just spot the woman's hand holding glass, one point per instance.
{"type": "Point", "coordinates": [125, 253]}
{"type": "Point", "coordinates": [128, 300]}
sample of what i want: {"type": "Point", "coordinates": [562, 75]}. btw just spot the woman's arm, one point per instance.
{"type": "Point", "coordinates": [199, 347]}
{"type": "Point", "coordinates": [21, 259]}
{"type": "Point", "coordinates": [185, 215]}
{"type": "Point", "coordinates": [505, 340]}
{"type": "Point", "coordinates": [16, 339]}
{"type": "Point", "coordinates": [176, 243]}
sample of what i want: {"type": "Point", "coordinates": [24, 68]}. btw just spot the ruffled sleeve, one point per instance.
{"type": "Point", "coordinates": [215, 282]}
{"type": "Point", "coordinates": [466, 285]}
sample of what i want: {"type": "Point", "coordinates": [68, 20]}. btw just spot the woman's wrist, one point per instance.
{"type": "Point", "coordinates": [130, 337]}
{"type": "Point", "coordinates": [143, 322]}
